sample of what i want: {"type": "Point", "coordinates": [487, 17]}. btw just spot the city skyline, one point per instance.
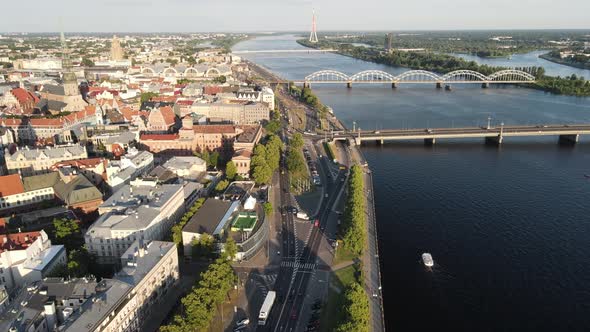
{"type": "Point", "coordinates": [292, 15]}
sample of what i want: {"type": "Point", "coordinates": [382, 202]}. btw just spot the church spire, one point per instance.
{"type": "Point", "coordinates": [69, 77]}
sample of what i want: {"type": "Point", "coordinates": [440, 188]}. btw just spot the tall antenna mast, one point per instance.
{"type": "Point", "coordinates": [313, 37]}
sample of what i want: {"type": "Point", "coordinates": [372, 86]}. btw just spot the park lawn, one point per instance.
{"type": "Point", "coordinates": [343, 254]}
{"type": "Point", "coordinates": [332, 312]}
{"type": "Point", "coordinates": [245, 222]}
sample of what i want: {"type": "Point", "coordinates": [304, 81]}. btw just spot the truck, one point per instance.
{"type": "Point", "coordinates": [266, 307]}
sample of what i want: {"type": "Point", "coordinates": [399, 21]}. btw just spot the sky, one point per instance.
{"type": "Point", "coordinates": [289, 15]}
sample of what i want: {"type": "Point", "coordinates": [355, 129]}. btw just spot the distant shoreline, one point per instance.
{"type": "Point", "coordinates": [548, 57]}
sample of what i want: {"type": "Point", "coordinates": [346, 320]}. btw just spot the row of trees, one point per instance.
{"type": "Point", "coordinates": [356, 309]}
{"type": "Point", "coordinates": [200, 305]}
{"type": "Point", "coordinates": [295, 161]}
{"type": "Point", "coordinates": [354, 228]}
{"type": "Point", "coordinates": [266, 159]}
{"type": "Point", "coordinates": [177, 229]}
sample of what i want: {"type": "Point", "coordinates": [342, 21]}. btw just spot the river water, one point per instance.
{"type": "Point", "coordinates": [529, 59]}
{"type": "Point", "coordinates": [508, 227]}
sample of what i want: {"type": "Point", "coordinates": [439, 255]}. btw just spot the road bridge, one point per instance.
{"type": "Point", "coordinates": [284, 51]}
{"type": "Point", "coordinates": [568, 134]}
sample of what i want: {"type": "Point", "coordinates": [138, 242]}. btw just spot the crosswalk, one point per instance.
{"type": "Point", "coordinates": [299, 266]}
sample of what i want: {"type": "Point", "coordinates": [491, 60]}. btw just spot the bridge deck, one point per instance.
{"type": "Point", "coordinates": [473, 132]}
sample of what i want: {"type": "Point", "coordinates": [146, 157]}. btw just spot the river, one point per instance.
{"type": "Point", "coordinates": [529, 59]}
{"type": "Point", "coordinates": [508, 227]}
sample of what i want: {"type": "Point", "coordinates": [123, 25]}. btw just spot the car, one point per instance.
{"type": "Point", "coordinates": [243, 322]}
{"type": "Point", "coordinates": [377, 132]}
{"type": "Point", "coordinates": [240, 328]}
{"type": "Point", "coordinates": [294, 314]}
{"type": "Point", "coordinates": [317, 223]}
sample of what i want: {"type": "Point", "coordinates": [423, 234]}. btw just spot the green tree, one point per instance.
{"type": "Point", "coordinates": [230, 249]}
{"type": "Point", "coordinates": [267, 208]}
{"type": "Point", "coordinates": [79, 261]}
{"type": "Point", "coordinates": [262, 174]}
{"type": "Point", "coordinates": [206, 156]}
{"type": "Point", "coordinates": [87, 62]}
{"type": "Point", "coordinates": [204, 246]}
{"type": "Point", "coordinates": [273, 126]}
{"type": "Point", "coordinates": [296, 141]}
{"type": "Point", "coordinates": [214, 159]}
{"type": "Point", "coordinates": [231, 170]}
{"type": "Point", "coordinates": [67, 232]}
{"type": "Point", "coordinates": [147, 96]}
{"type": "Point", "coordinates": [222, 185]}
{"type": "Point", "coordinates": [177, 229]}
{"type": "Point", "coordinates": [220, 79]}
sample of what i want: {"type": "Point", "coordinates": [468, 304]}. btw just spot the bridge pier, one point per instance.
{"type": "Point", "coordinates": [568, 139]}
{"type": "Point", "coordinates": [439, 85]}
{"type": "Point", "coordinates": [429, 141]}
{"type": "Point", "coordinates": [485, 85]}
{"type": "Point", "coordinates": [495, 140]}
{"type": "Point", "coordinates": [349, 85]}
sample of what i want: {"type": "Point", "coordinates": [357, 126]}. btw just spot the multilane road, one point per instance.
{"type": "Point", "coordinates": [293, 280]}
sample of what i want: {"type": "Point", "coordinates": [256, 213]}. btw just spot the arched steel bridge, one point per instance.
{"type": "Point", "coordinates": [509, 76]}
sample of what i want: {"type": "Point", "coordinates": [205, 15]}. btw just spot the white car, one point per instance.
{"type": "Point", "coordinates": [243, 322]}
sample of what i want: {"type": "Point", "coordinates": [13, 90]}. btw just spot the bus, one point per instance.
{"type": "Point", "coordinates": [266, 307]}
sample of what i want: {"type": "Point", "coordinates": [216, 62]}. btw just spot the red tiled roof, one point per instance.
{"type": "Point", "coordinates": [81, 163]}
{"type": "Point", "coordinates": [11, 122]}
{"type": "Point", "coordinates": [168, 115]}
{"type": "Point", "coordinates": [185, 102]}
{"type": "Point", "coordinates": [43, 122]}
{"type": "Point", "coordinates": [24, 96]}
{"type": "Point", "coordinates": [11, 185]}
{"type": "Point", "coordinates": [214, 129]}
{"type": "Point", "coordinates": [17, 241]}
{"type": "Point", "coordinates": [158, 137]}
{"type": "Point", "coordinates": [166, 99]}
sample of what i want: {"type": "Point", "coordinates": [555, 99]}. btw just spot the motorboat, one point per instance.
{"type": "Point", "coordinates": [427, 259]}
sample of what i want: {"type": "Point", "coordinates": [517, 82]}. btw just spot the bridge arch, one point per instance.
{"type": "Point", "coordinates": [372, 76]}
{"type": "Point", "coordinates": [148, 70]}
{"type": "Point", "coordinates": [191, 72]}
{"type": "Point", "coordinates": [418, 76]}
{"type": "Point", "coordinates": [511, 75]}
{"type": "Point", "coordinates": [327, 75]}
{"type": "Point", "coordinates": [212, 72]}
{"type": "Point", "coordinates": [170, 71]}
{"type": "Point", "coordinates": [464, 75]}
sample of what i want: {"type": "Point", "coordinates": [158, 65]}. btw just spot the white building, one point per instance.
{"type": "Point", "coordinates": [129, 167]}
{"type": "Point", "coordinates": [142, 210]}
{"type": "Point", "coordinates": [121, 304]}
{"type": "Point", "coordinates": [186, 167]}
{"type": "Point", "coordinates": [37, 161]}
{"type": "Point", "coordinates": [28, 257]}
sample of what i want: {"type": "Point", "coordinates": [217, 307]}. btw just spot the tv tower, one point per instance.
{"type": "Point", "coordinates": [313, 37]}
